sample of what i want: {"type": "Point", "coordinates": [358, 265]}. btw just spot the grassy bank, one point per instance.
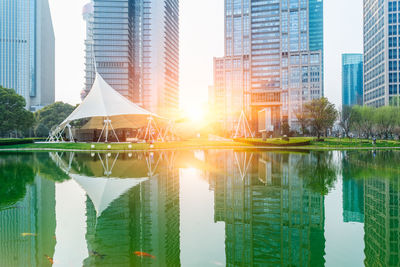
{"type": "Point", "coordinates": [278, 142]}
{"type": "Point", "coordinates": [189, 144]}
{"type": "Point", "coordinates": [352, 143]}
{"type": "Point", "coordinates": [293, 143]}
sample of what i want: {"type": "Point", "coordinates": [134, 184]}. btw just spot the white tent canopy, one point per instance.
{"type": "Point", "coordinates": [103, 101]}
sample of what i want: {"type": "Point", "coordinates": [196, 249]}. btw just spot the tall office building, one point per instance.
{"type": "Point", "coordinates": [273, 58]}
{"type": "Point", "coordinates": [381, 53]}
{"type": "Point", "coordinates": [135, 47]}
{"type": "Point", "coordinates": [27, 55]}
{"type": "Point", "coordinates": [352, 79]}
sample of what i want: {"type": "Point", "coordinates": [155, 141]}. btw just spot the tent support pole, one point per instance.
{"type": "Point", "coordinates": [101, 134]}
{"type": "Point", "coordinates": [112, 128]}
{"type": "Point", "coordinates": [245, 126]}
{"type": "Point", "coordinates": [70, 133]}
{"type": "Point", "coordinates": [107, 131]}
{"type": "Point", "coordinates": [148, 128]}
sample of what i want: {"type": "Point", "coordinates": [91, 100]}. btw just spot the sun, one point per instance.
{"type": "Point", "coordinates": [194, 113]}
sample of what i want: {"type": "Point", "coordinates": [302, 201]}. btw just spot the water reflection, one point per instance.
{"type": "Point", "coordinates": [139, 211]}
{"type": "Point", "coordinates": [271, 217]}
{"type": "Point", "coordinates": [381, 201]}
{"type": "Point", "coordinates": [272, 205]}
{"type": "Point", "coordinates": [27, 217]}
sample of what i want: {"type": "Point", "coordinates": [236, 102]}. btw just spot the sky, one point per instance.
{"type": "Point", "coordinates": [201, 39]}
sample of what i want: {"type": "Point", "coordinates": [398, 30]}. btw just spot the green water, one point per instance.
{"type": "Point", "coordinates": [200, 208]}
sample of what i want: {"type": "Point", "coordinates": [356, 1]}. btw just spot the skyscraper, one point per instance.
{"type": "Point", "coordinates": [27, 55]}
{"type": "Point", "coordinates": [273, 57]}
{"type": "Point", "coordinates": [352, 79]}
{"type": "Point", "coordinates": [381, 53]}
{"type": "Point", "coordinates": [136, 50]}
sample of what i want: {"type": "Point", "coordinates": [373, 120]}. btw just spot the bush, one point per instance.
{"type": "Point", "coordinates": [10, 142]}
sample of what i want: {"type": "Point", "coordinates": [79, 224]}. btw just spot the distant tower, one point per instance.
{"type": "Point", "coordinates": [27, 55]}
{"type": "Point", "coordinates": [352, 79]}
{"type": "Point", "coordinates": [87, 14]}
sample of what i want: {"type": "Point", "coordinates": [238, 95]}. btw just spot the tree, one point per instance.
{"type": "Point", "coordinates": [303, 120]}
{"type": "Point", "coordinates": [318, 171]}
{"type": "Point", "coordinates": [51, 116]}
{"type": "Point", "coordinates": [322, 115]}
{"type": "Point", "coordinates": [13, 115]}
{"type": "Point", "coordinates": [285, 128]}
{"type": "Point", "coordinates": [385, 120]}
{"type": "Point", "coordinates": [16, 171]}
{"type": "Point", "coordinates": [365, 121]}
{"type": "Point", "coordinates": [345, 117]}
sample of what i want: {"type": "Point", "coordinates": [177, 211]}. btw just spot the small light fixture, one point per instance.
{"type": "Point", "coordinates": [109, 147]}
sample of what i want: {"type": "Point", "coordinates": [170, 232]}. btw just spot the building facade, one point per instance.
{"type": "Point", "coordinates": [381, 53]}
{"type": "Point", "coordinates": [280, 47]}
{"type": "Point", "coordinates": [27, 55]}
{"type": "Point", "coordinates": [134, 44]}
{"type": "Point", "coordinates": [352, 79]}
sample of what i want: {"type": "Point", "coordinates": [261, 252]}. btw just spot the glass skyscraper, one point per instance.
{"type": "Point", "coordinates": [273, 58]}
{"type": "Point", "coordinates": [27, 57]}
{"type": "Point", "coordinates": [135, 47]}
{"type": "Point", "coordinates": [381, 53]}
{"type": "Point", "coordinates": [352, 79]}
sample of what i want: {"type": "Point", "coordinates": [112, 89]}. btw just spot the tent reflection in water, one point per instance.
{"type": "Point", "coordinates": [108, 110]}
{"type": "Point", "coordinates": [102, 186]}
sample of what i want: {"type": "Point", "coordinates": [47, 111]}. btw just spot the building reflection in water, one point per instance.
{"type": "Point", "coordinates": [144, 219]}
{"type": "Point", "coordinates": [271, 217]}
{"type": "Point", "coordinates": [381, 187]}
{"type": "Point", "coordinates": [353, 194]}
{"type": "Point", "coordinates": [27, 225]}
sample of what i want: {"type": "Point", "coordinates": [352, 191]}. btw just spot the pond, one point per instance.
{"type": "Point", "coordinates": [200, 208]}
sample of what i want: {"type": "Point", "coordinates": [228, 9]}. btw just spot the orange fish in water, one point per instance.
{"type": "Point", "coordinates": [49, 259]}
{"type": "Point", "coordinates": [144, 254]}
{"type": "Point", "coordinates": [28, 234]}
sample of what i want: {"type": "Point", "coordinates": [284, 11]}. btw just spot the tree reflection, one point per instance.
{"type": "Point", "coordinates": [46, 168]}
{"type": "Point", "coordinates": [16, 172]}
{"type": "Point", "coordinates": [371, 164]}
{"type": "Point", "coordinates": [319, 171]}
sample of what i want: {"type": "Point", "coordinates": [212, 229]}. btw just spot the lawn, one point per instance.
{"type": "Point", "coordinates": [353, 142]}
{"type": "Point", "coordinates": [279, 142]}
{"type": "Point", "coordinates": [293, 143]}
{"type": "Point", "coordinates": [189, 144]}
